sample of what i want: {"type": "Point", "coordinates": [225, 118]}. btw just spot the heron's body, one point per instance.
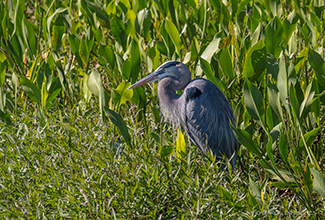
{"type": "Point", "coordinates": [202, 109]}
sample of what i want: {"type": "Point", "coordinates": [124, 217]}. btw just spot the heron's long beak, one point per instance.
{"type": "Point", "coordinates": [148, 79]}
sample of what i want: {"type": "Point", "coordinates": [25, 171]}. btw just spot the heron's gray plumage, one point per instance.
{"type": "Point", "coordinates": [202, 109]}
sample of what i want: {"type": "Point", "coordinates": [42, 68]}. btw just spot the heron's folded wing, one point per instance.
{"type": "Point", "coordinates": [207, 119]}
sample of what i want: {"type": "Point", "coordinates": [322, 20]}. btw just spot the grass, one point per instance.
{"type": "Point", "coordinates": [77, 168]}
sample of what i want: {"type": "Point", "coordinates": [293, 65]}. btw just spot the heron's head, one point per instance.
{"type": "Point", "coordinates": [173, 69]}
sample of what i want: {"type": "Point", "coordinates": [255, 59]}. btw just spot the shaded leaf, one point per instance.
{"type": "Point", "coordinates": [31, 89]}
{"type": "Point", "coordinates": [118, 121]}
{"type": "Point", "coordinates": [253, 100]}
{"type": "Point", "coordinates": [245, 139]}
{"type": "Point", "coordinates": [319, 182]}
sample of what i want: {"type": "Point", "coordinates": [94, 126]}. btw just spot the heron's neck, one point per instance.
{"type": "Point", "coordinates": [170, 103]}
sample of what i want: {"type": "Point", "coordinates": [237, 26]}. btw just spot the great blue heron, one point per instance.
{"type": "Point", "coordinates": [202, 109]}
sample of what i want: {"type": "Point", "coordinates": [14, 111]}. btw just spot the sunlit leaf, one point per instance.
{"type": "Point", "coordinates": [180, 144]}
{"type": "Point", "coordinates": [121, 94]}
{"type": "Point", "coordinates": [174, 36]}
{"type": "Point", "coordinates": [211, 49]}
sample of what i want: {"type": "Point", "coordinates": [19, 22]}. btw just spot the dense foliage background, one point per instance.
{"type": "Point", "coordinates": [75, 143]}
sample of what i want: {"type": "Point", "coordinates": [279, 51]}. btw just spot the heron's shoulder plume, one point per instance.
{"type": "Point", "coordinates": [192, 93]}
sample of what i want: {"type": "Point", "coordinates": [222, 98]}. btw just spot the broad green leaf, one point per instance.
{"type": "Point", "coordinates": [94, 83]}
{"type": "Point", "coordinates": [294, 102]}
{"type": "Point", "coordinates": [224, 193]}
{"type": "Point", "coordinates": [121, 94]}
{"type": "Point", "coordinates": [286, 175]}
{"type": "Point", "coordinates": [141, 16]}
{"type": "Point", "coordinates": [86, 91]}
{"type": "Point", "coordinates": [180, 144]}
{"type": "Point", "coordinates": [2, 99]}
{"type": "Point", "coordinates": [52, 97]}
{"type": "Point", "coordinates": [44, 93]}
{"type": "Point", "coordinates": [275, 133]}
{"type": "Point", "coordinates": [269, 117]}
{"type": "Point", "coordinates": [166, 150]}
{"type": "Point", "coordinates": [95, 86]}
{"type": "Point", "coordinates": [135, 61]}
{"type": "Point", "coordinates": [289, 26]}
{"type": "Point", "coordinates": [106, 57]}
{"type": "Point", "coordinates": [111, 8]}
{"type": "Point", "coordinates": [258, 34]}
{"type": "Point", "coordinates": [283, 147]}
{"type": "Point", "coordinates": [318, 64]}
{"type": "Point", "coordinates": [131, 15]}
{"type": "Point", "coordinates": [282, 81]}
{"type": "Point", "coordinates": [56, 38]}
{"type": "Point", "coordinates": [5, 117]}
{"type": "Point", "coordinates": [308, 99]}
{"type": "Point", "coordinates": [319, 182]}
{"type": "Point", "coordinates": [319, 4]}
{"type": "Point", "coordinates": [174, 36]}
{"type": "Point", "coordinates": [255, 62]}
{"type": "Point", "coordinates": [307, 181]}
{"type": "Point", "coordinates": [226, 63]}
{"type": "Point", "coordinates": [251, 200]}
{"type": "Point", "coordinates": [310, 137]}
{"type": "Point", "coordinates": [49, 21]}
{"type": "Point", "coordinates": [245, 139]}
{"type": "Point", "coordinates": [18, 16]}
{"type": "Point", "coordinates": [253, 100]}
{"type": "Point", "coordinates": [31, 89]}
{"type": "Point", "coordinates": [118, 121]}
{"type": "Point", "coordinates": [274, 37]}
{"type": "Point", "coordinates": [98, 10]}
{"type": "Point", "coordinates": [255, 189]}
{"type": "Point", "coordinates": [209, 73]}
{"type": "Point", "coordinates": [2, 73]}
{"type": "Point", "coordinates": [211, 49]}
{"type": "Point", "coordinates": [276, 8]}
{"type": "Point", "coordinates": [85, 48]}
{"type": "Point", "coordinates": [274, 99]}
{"type": "Point", "coordinates": [159, 139]}
{"type": "Point", "coordinates": [269, 149]}
{"type": "Point", "coordinates": [29, 36]}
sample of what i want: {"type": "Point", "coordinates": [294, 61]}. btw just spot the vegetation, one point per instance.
{"type": "Point", "coordinates": [75, 143]}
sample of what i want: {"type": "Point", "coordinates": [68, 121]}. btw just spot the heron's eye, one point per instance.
{"type": "Point", "coordinates": [162, 70]}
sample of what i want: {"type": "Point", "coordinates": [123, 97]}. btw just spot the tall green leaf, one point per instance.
{"type": "Point", "coordinates": [31, 89]}
{"type": "Point", "coordinates": [253, 100]}
{"type": "Point", "coordinates": [255, 62]}
{"type": "Point", "coordinates": [118, 121]}
{"type": "Point", "coordinates": [174, 36]}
